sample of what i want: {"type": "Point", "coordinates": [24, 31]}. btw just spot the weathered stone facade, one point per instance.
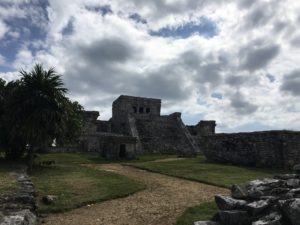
{"type": "Point", "coordinates": [137, 127]}
{"type": "Point", "coordinates": [279, 149]}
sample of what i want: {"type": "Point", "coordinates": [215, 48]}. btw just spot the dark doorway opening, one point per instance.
{"type": "Point", "coordinates": [122, 153]}
{"type": "Point", "coordinates": [141, 110]}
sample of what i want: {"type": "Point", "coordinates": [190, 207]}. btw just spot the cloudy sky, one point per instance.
{"type": "Point", "coordinates": [233, 61]}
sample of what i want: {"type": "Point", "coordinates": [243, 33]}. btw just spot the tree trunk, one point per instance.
{"type": "Point", "coordinates": [30, 158]}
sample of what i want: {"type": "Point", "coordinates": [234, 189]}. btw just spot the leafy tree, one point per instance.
{"type": "Point", "coordinates": [73, 121]}
{"type": "Point", "coordinates": [38, 110]}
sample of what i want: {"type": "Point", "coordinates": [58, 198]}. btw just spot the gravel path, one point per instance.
{"type": "Point", "coordinates": [164, 200]}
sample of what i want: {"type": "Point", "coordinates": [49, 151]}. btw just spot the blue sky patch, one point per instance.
{"type": "Point", "coordinates": [28, 30]}
{"type": "Point", "coordinates": [192, 119]}
{"type": "Point", "coordinates": [204, 27]}
{"type": "Point", "coordinates": [104, 9]}
{"type": "Point", "coordinates": [249, 127]}
{"type": "Point", "coordinates": [138, 18]}
{"type": "Point", "coordinates": [271, 78]}
{"type": "Point", "coordinates": [217, 95]}
{"type": "Point", "coordinates": [68, 30]}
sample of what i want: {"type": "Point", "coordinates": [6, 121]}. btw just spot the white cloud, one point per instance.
{"type": "Point", "coordinates": [3, 29]}
{"type": "Point", "coordinates": [102, 57]}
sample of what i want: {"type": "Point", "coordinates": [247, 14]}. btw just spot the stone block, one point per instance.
{"type": "Point", "coordinates": [228, 203]}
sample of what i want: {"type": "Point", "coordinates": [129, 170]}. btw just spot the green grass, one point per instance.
{"type": "Point", "coordinates": [8, 179]}
{"type": "Point", "coordinates": [198, 169]}
{"type": "Point", "coordinates": [202, 212]}
{"type": "Point", "coordinates": [81, 158]}
{"type": "Point", "coordinates": [77, 185]}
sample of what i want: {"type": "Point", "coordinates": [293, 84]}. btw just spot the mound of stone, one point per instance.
{"type": "Point", "coordinates": [261, 202]}
{"type": "Point", "coordinates": [19, 208]}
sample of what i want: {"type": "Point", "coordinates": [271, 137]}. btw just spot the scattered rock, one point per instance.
{"type": "Point", "coordinates": [49, 199]}
{"type": "Point", "coordinates": [24, 217]}
{"type": "Point", "coordinates": [296, 168]}
{"type": "Point", "coordinates": [285, 176]}
{"type": "Point", "coordinates": [272, 219]}
{"type": "Point", "coordinates": [206, 223]}
{"type": "Point", "coordinates": [234, 217]}
{"type": "Point", "coordinates": [19, 208]}
{"type": "Point", "coordinates": [228, 203]}
{"type": "Point", "coordinates": [254, 208]}
{"type": "Point", "coordinates": [279, 191]}
{"type": "Point", "coordinates": [291, 209]}
{"type": "Point", "coordinates": [293, 183]}
{"type": "Point", "coordinates": [262, 202]}
{"type": "Point", "coordinates": [239, 191]}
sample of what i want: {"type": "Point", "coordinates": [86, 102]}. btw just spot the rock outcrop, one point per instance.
{"type": "Point", "coordinates": [260, 202]}
{"type": "Point", "coordinates": [19, 208]}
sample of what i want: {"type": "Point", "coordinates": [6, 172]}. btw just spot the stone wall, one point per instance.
{"type": "Point", "coordinates": [114, 146]}
{"type": "Point", "coordinates": [66, 149]}
{"type": "Point", "coordinates": [204, 127]}
{"type": "Point", "coordinates": [279, 149]}
{"type": "Point", "coordinates": [137, 106]}
{"type": "Point", "coordinates": [20, 207]}
{"type": "Point", "coordinates": [164, 135]}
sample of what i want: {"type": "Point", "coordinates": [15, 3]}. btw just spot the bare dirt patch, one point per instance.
{"type": "Point", "coordinates": [164, 200]}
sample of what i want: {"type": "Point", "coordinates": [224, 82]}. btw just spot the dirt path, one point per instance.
{"type": "Point", "coordinates": [164, 200]}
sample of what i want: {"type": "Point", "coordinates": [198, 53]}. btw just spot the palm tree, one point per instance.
{"type": "Point", "coordinates": [37, 108]}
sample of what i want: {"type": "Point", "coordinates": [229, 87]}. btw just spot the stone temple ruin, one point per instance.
{"type": "Point", "coordinates": [137, 127]}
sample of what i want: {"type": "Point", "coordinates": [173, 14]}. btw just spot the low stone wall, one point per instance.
{"type": "Point", "coordinates": [280, 149]}
{"type": "Point", "coordinates": [64, 149]}
{"type": "Point", "coordinates": [260, 202]}
{"type": "Point", "coordinates": [19, 208]}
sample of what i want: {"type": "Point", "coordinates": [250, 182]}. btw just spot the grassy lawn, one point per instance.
{"type": "Point", "coordinates": [198, 169]}
{"type": "Point", "coordinates": [8, 181]}
{"type": "Point", "coordinates": [204, 211]}
{"type": "Point", "coordinates": [81, 158]}
{"type": "Point", "coordinates": [76, 185]}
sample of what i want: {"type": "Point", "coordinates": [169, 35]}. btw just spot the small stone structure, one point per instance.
{"type": "Point", "coordinates": [280, 149]}
{"type": "Point", "coordinates": [19, 208]}
{"type": "Point", "coordinates": [260, 202]}
{"type": "Point", "coordinates": [137, 127]}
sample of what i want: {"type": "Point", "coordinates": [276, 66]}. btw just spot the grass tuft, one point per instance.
{"type": "Point", "coordinates": [77, 185]}
{"type": "Point", "coordinates": [202, 212]}
{"type": "Point", "coordinates": [198, 169]}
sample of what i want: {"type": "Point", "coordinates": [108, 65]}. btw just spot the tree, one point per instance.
{"type": "Point", "coordinates": [73, 122]}
{"type": "Point", "coordinates": [37, 110]}
{"type": "Point", "coordinates": [11, 140]}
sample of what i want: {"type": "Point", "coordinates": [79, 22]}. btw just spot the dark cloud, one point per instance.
{"type": "Point", "coordinates": [165, 83]}
{"type": "Point", "coordinates": [210, 73]}
{"type": "Point", "coordinates": [261, 14]}
{"type": "Point", "coordinates": [100, 68]}
{"type": "Point", "coordinates": [257, 57]}
{"type": "Point", "coordinates": [271, 77]}
{"type": "Point", "coordinates": [241, 106]}
{"type": "Point", "coordinates": [246, 3]}
{"type": "Point", "coordinates": [241, 80]}
{"type": "Point", "coordinates": [291, 83]}
{"type": "Point", "coordinates": [107, 50]}
{"type": "Point", "coordinates": [258, 17]}
{"type": "Point", "coordinates": [295, 42]}
{"type": "Point", "coordinates": [280, 26]}
{"type": "Point", "coordinates": [235, 80]}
